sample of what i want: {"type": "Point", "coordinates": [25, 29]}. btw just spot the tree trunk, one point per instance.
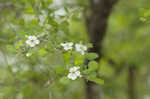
{"type": "Point", "coordinates": [96, 26]}
{"type": "Point", "coordinates": [131, 82]}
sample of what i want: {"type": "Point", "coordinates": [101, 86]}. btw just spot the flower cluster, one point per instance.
{"type": "Point", "coordinates": [67, 46]}
{"type": "Point", "coordinates": [79, 47]}
{"type": "Point", "coordinates": [74, 73]}
{"type": "Point", "coordinates": [32, 41]}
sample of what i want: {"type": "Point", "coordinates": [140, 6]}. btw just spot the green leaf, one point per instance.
{"type": "Point", "coordinates": [64, 80]}
{"type": "Point", "coordinates": [18, 45]}
{"type": "Point", "coordinates": [42, 52]}
{"type": "Point", "coordinates": [143, 19]}
{"type": "Point", "coordinates": [67, 56]}
{"type": "Point", "coordinates": [35, 21]}
{"type": "Point", "coordinates": [79, 59]}
{"type": "Point", "coordinates": [96, 80]}
{"type": "Point", "coordinates": [147, 13]}
{"type": "Point", "coordinates": [52, 22]}
{"type": "Point", "coordinates": [59, 70]}
{"type": "Point", "coordinates": [30, 11]}
{"type": "Point", "coordinates": [87, 71]}
{"type": "Point", "coordinates": [93, 65]}
{"type": "Point", "coordinates": [92, 56]}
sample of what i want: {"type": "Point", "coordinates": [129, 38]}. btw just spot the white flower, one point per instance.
{"type": "Point", "coordinates": [78, 73]}
{"type": "Point", "coordinates": [67, 46]}
{"type": "Point", "coordinates": [32, 41]}
{"type": "Point", "coordinates": [81, 48]}
{"type": "Point", "coordinates": [74, 73]}
{"type": "Point", "coordinates": [28, 54]}
{"type": "Point", "coordinates": [72, 76]}
{"type": "Point", "coordinates": [74, 69]}
{"type": "Point", "coordinates": [60, 12]}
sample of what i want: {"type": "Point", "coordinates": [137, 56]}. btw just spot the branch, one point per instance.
{"type": "Point", "coordinates": [6, 5]}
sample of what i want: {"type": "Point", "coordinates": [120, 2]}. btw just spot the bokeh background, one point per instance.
{"type": "Point", "coordinates": [126, 49]}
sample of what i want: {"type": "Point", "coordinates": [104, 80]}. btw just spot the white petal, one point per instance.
{"type": "Point", "coordinates": [32, 44]}
{"type": "Point", "coordinates": [81, 48]}
{"type": "Point", "coordinates": [67, 46]}
{"type": "Point", "coordinates": [85, 48]}
{"type": "Point", "coordinates": [33, 37]}
{"type": "Point", "coordinates": [63, 44]}
{"type": "Point", "coordinates": [77, 47]}
{"type": "Point", "coordinates": [29, 37]}
{"type": "Point", "coordinates": [73, 69]}
{"type": "Point", "coordinates": [70, 44]}
{"type": "Point", "coordinates": [28, 54]}
{"type": "Point", "coordinates": [72, 76]}
{"type": "Point", "coordinates": [27, 41]}
{"type": "Point", "coordinates": [69, 75]}
{"type": "Point", "coordinates": [77, 73]}
{"type": "Point", "coordinates": [37, 42]}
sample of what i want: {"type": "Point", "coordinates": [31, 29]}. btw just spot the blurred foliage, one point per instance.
{"type": "Point", "coordinates": [40, 76]}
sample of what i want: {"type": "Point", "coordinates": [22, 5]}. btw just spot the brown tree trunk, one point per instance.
{"type": "Point", "coordinates": [131, 82]}
{"type": "Point", "coordinates": [96, 25]}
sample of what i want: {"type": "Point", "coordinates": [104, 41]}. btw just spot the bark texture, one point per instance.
{"type": "Point", "coordinates": [96, 26]}
{"type": "Point", "coordinates": [131, 82]}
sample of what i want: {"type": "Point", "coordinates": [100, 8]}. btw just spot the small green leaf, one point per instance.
{"type": "Point", "coordinates": [87, 71]}
{"type": "Point", "coordinates": [64, 26]}
{"type": "Point", "coordinates": [67, 56]}
{"type": "Point", "coordinates": [79, 60]}
{"type": "Point", "coordinates": [18, 45]}
{"type": "Point", "coordinates": [92, 56]}
{"type": "Point", "coordinates": [30, 11]}
{"type": "Point", "coordinates": [93, 65]}
{"type": "Point", "coordinates": [35, 21]}
{"type": "Point", "coordinates": [96, 80]}
{"type": "Point", "coordinates": [42, 52]}
{"type": "Point", "coordinates": [143, 19]}
{"type": "Point", "coordinates": [64, 80]}
{"type": "Point", "coordinates": [59, 70]}
{"type": "Point", "coordinates": [52, 22]}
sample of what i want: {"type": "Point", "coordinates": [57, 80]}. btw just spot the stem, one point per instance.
{"type": "Point", "coordinates": [131, 82]}
{"type": "Point", "coordinates": [96, 26]}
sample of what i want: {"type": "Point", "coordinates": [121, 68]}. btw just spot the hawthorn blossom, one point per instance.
{"type": "Point", "coordinates": [28, 54]}
{"type": "Point", "coordinates": [81, 48]}
{"type": "Point", "coordinates": [67, 46]}
{"type": "Point", "coordinates": [32, 41]}
{"type": "Point", "coordinates": [74, 73]}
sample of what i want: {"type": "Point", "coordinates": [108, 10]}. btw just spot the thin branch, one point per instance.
{"type": "Point", "coordinates": [6, 5]}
